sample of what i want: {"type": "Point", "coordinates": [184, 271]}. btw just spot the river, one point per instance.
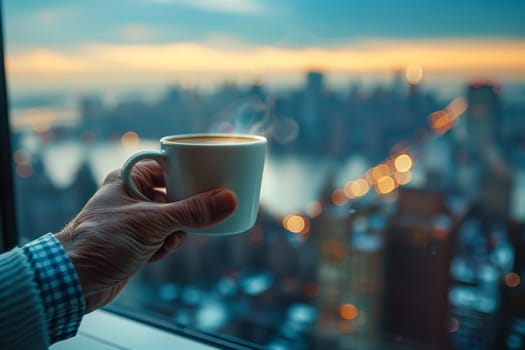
{"type": "Point", "coordinates": [290, 182]}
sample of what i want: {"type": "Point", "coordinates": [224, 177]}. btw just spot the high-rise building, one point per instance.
{"type": "Point", "coordinates": [312, 109]}
{"type": "Point", "coordinates": [363, 287]}
{"type": "Point", "coordinates": [419, 248]}
{"type": "Point", "coordinates": [495, 195]}
{"type": "Point", "coordinates": [483, 116]}
{"type": "Point", "coordinates": [474, 298]}
{"type": "Point", "coordinates": [332, 272]}
{"type": "Point", "coordinates": [92, 112]}
{"type": "Point", "coordinates": [350, 277]}
{"type": "Point", "coordinates": [398, 84]}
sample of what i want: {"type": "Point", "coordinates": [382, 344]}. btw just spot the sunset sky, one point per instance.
{"type": "Point", "coordinates": [67, 44]}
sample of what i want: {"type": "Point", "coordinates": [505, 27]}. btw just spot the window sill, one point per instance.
{"type": "Point", "coordinates": [104, 330]}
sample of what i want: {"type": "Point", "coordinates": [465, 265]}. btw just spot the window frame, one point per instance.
{"type": "Point", "coordinates": [8, 231]}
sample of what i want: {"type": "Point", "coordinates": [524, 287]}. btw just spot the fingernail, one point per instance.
{"type": "Point", "coordinates": [223, 200]}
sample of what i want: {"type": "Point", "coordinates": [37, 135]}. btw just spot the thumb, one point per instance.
{"type": "Point", "coordinates": [200, 210]}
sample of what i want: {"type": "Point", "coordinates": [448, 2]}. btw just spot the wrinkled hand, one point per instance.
{"type": "Point", "coordinates": [115, 234]}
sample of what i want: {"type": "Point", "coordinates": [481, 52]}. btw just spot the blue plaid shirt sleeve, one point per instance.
{"type": "Point", "coordinates": [59, 286]}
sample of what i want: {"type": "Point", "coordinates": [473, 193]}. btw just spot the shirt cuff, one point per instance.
{"type": "Point", "coordinates": [59, 286]}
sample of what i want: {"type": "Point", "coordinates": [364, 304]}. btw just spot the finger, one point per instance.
{"type": "Point", "coordinates": [159, 196]}
{"type": "Point", "coordinates": [201, 210]}
{"type": "Point", "coordinates": [147, 175]}
{"type": "Point", "coordinates": [113, 176]}
{"type": "Point", "coordinates": [173, 242]}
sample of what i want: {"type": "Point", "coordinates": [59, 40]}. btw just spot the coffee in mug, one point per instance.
{"type": "Point", "coordinates": [213, 140]}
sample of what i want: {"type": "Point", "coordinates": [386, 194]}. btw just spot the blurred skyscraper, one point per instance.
{"type": "Point", "coordinates": [312, 110]}
{"type": "Point", "coordinates": [363, 287]}
{"type": "Point", "coordinates": [398, 84]}
{"type": "Point", "coordinates": [419, 248]}
{"type": "Point", "coordinates": [332, 276]}
{"type": "Point", "coordinates": [483, 117]}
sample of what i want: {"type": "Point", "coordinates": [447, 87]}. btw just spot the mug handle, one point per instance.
{"type": "Point", "coordinates": [125, 172]}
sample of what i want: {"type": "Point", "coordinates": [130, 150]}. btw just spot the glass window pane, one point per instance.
{"type": "Point", "coordinates": [393, 201]}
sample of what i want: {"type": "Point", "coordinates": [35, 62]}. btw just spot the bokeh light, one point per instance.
{"type": "Point", "coordinates": [453, 325]}
{"type": "Point", "coordinates": [21, 156]}
{"type": "Point", "coordinates": [403, 178]}
{"type": "Point", "coordinates": [24, 170]}
{"type": "Point", "coordinates": [347, 190]}
{"type": "Point", "coordinates": [368, 177]}
{"type": "Point", "coordinates": [339, 250]}
{"type": "Point", "coordinates": [512, 280]}
{"type": "Point", "coordinates": [441, 121]}
{"type": "Point", "coordinates": [403, 163]}
{"type": "Point", "coordinates": [356, 188]}
{"type": "Point", "coordinates": [439, 233]}
{"type": "Point", "coordinates": [130, 139]}
{"type": "Point", "coordinates": [457, 107]}
{"type": "Point", "coordinates": [314, 209]}
{"type": "Point", "coordinates": [348, 311]}
{"type": "Point", "coordinates": [294, 223]}
{"type": "Point", "coordinates": [310, 289]}
{"type": "Point", "coordinates": [338, 197]}
{"type": "Point", "coordinates": [380, 171]}
{"type": "Point", "coordinates": [414, 74]}
{"type": "Point", "coordinates": [385, 185]}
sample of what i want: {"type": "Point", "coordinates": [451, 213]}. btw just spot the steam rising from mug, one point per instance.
{"type": "Point", "coordinates": [253, 116]}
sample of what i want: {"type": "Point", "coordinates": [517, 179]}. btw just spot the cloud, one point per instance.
{"type": "Point", "coordinates": [500, 59]}
{"type": "Point", "coordinates": [44, 62]}
{"type": "Point", "coordinates": [136, 32]}
{"type": "Point", "coordinates": [241, 7]}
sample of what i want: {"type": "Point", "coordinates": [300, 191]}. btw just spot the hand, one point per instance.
{"type": "Point", "coordinates": [116, 234]}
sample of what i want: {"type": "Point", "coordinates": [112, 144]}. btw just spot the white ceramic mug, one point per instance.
{"type": "Point", "coordinates": [195, 163]}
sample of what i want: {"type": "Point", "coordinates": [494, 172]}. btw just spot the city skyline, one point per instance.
{"type": "Point", "coordinates": [350, 267]}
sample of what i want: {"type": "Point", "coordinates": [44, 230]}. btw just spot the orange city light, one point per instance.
{"type": "Point", "coordinates": [314, 209]}
{"type": "Point", "coordinates": [311, 290]}
{"type": "Point", "coordinates": [295, 223]}
{"type": "Point", "coordinates": [130, 139]}
{"type": "Point", "coordinates": [356, 188]}
{"type": "Point", "coordinates": [21, 156]}
{"type": "Point", "coordinates": [348, 311]}
{"type": "Point", "coordinates": [385, 185]}
{"type": "Point", "coordinates": [414, 74]}
{"type": "Point", "coordinates": [441, 121]}
{"type": "Point", "coordinates": [457, 107]}
{"type": "Point", "coordinates": [512, 279]}
{"type": "Point", "coordinates": [339, 250]}
{"type": "Point", "coordinates": [380, 171]}
{"type": "Point", "coordinates": [24, 170]}
{"type": "Point", "coordinates": [403, 163]}
{"type": "Point", "coordinates": [403, 178]}
{"type": "Point", "coordinates": [338, 197]}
